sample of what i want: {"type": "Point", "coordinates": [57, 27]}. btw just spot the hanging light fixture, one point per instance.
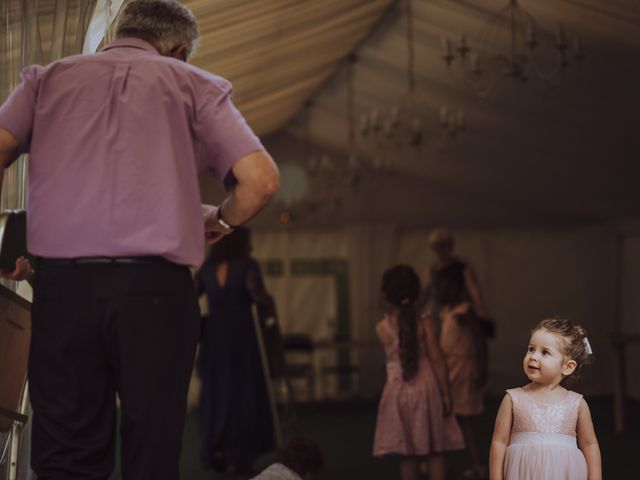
{"type": "Point", "coordinates": [511, 48]}
{"type": "Point", "coordinates": [353, 161]}
{"type": "Point", "coordinates": [404, 123]}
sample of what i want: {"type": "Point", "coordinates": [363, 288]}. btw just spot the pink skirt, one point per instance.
{"type": "Point", "coordinates": [411, 420]}
{"type": "Point", "coordinates": [548, 456]}
{"type": "Point", "coordinates": [463, 377]}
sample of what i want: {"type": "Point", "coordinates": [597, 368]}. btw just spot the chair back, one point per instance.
{"type": "Point", "coordinates": [13, 238]}
{"type": "Point", "coordinates": [297, 342]}
{"type": "Point", "coordinates": [15, 335]}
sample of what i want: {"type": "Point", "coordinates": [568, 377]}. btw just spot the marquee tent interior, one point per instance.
{"type": "Point", "coordinates": [539, 186]}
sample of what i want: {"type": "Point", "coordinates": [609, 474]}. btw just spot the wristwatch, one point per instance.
{"type": "Point", "coordinates": [222, 222]}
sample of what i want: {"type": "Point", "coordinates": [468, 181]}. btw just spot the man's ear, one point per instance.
{"type": "Point", "coordinates": [179, 52]}
{"type": "Point", "coordinates": [569, 367]}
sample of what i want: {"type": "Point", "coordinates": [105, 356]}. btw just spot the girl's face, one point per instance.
{"type": "Point", "coordinates": [544, 362]}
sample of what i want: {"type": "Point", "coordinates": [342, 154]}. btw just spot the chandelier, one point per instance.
{"type": "Point", "coordinates": [330, 170]}
{"type": "Point", "coordinates": [512, 46]}
{"type": "Point", "coordinates": [403, 125]}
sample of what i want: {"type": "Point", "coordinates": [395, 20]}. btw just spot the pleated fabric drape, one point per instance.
{"type": "Point", "coordinates": [279, 53]}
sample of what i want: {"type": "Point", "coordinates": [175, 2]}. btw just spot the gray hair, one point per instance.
{"type": "Point", "coordinates": [441, 236]}
{"type": "Point", "coordinates": [165, 24]}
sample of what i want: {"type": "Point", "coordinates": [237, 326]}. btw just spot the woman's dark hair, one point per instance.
{"type": "Point", "coordinates": [301, 455]}
{"type": "Point", "coordinates": [234, 245]}
{"type": "Point", "coordinates": [401, 287]}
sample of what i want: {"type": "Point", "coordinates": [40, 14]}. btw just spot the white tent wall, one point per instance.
{"type": "Point", "coordinates": [307, 301]}
{"type": "Point", "coordinates": [526, 275]}
{"type": "Point", "coordinates": [303, 305]}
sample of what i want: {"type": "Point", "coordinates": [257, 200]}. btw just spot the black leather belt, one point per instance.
{"type": "Point", "coordinates": [42, 261]}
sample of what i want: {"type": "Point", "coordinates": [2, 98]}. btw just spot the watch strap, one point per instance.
{"type": "Point", "coordinates": [222, 222]}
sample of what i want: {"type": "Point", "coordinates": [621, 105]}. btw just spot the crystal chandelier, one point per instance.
{"type": "Point", "coordinates": [403, 124]}
{"type": "Point", "coordinates": [357, 163]}
{"type": "Point", "coordinates": [514, 47]}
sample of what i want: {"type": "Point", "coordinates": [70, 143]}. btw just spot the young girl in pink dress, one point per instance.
{"type": "Point", "coordinates": [414, 418]}
{"type": "Point", "coordinates": [544, 431]}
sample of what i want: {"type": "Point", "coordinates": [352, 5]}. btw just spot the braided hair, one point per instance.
{"type": "Point", "coordinates": [401, 287]}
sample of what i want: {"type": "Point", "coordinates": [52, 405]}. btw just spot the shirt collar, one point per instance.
{"type": "Point", "coordinates": [131, 42]}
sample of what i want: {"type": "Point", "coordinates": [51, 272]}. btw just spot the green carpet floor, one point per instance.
{"type": "Point", "coordinates": [345, 433]}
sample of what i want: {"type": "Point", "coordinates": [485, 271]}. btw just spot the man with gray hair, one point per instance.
{"type": "Point", "coordinates": [116, 142]}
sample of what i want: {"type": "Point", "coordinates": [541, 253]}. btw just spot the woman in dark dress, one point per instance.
{"type": "Point", "coordinates": [234, 414]}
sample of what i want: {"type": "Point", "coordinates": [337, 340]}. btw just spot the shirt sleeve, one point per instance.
{"type": "Point", "coordinates": [224, 134]}
{"type": "Point", "coordinates": [17, 112]}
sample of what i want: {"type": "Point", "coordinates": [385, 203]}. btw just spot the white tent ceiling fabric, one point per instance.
{"type": "Point", "coordinates": [278, 53]}
{"type": "Point", "coordinates": [560, 152]}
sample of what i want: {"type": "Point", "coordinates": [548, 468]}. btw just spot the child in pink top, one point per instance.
{"type": "Point", "coordinates": [414, 415]}
{"type": "Point", "coordinates": [544, 431]}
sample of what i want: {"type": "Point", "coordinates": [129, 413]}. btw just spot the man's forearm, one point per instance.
{"type": "Point", "coordinates": [244, 203]}
{"type": "Point", "coordinates": [258, 179]}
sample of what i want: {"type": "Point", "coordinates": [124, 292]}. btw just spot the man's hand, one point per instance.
{"type": "Point", "coordinates": [213, 230]}
{"type": "Point", "coordinates": [22, 271]}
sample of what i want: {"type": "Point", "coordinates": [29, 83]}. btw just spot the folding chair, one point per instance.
{"type": "Point", "coordinates": [15, 335]}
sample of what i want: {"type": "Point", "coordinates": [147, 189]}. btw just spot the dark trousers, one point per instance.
{"type": "Point", "coordinates": [102, 329]}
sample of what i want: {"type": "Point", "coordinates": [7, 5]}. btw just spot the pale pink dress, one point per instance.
{"type": "Point", "coordinates": [459, 348]}
{"type": "Point", "coordinates": [411, 419]}
{"type": "Point", "coordinates": [543, 439]}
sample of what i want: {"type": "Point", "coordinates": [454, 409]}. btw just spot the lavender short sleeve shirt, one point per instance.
{"type": "Point", "coordinates": [116, 142]}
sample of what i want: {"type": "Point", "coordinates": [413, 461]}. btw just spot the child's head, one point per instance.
{"type": "Point", "coordinates": [301, 455]}
{"type": "Point", "coordinates": [557, 350]}
{"type": "Point", "coordinates": [400, 286]}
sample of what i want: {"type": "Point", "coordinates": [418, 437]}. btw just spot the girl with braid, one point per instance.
{"type": "Point", "coordinates": [414, 416]}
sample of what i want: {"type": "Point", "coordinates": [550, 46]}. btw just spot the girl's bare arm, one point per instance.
{"type": "Point", "coordinates": [383, 335]}
{"type": "Point", "coordinates": [588, 443]}
{"type": "Point", "coordinates": [500, 439]}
